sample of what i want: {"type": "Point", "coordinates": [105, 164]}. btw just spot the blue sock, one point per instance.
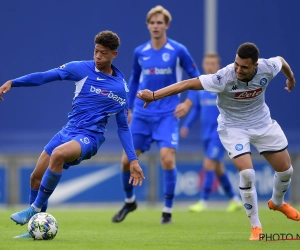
{"type": "Point", "coordinates": [170, 178]}
{"type": "Point", "coordinates": [207, 185]}
{"type": "Point", "coordinates": [128, 188]}
{"type": "Point", "coordinates": [226, 185]}
{"type": "Point", "coordinates": [48, 184]}
{"type": "Point", "coordinates": [32, 197]}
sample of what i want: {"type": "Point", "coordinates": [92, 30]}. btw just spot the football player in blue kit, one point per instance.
{"type": "Point", "coordinates": [157, 63]}
{"type": "Point", "coordinates": [101, 92]}
{"type": "Point", "coordinates": [205, 107]}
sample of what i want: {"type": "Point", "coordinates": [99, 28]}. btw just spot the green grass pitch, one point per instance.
{"type": "Point", "coordinates": [93, 229]}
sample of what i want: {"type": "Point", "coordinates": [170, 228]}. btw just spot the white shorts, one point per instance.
{"type": "Point", "coordinates": [268, 139]}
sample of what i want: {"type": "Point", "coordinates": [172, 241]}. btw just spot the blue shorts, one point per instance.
{"type": "Point", "coordinates": [90, 142]}
{"type": "Point", "coordinates": [214, 149]}
{"type": "Point", "coordinates": [145, 129]}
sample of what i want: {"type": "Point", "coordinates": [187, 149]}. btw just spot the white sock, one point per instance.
{"type": "Point", "coordinates": [249, 195]}
{"type": "Point", "coordinates": [167, 210]}
{"type": "Point", "coordinates": [36, 208]}
{"type": "Point", "coordinates": [130, 200]}
{"type": "Point", "coordinates": [281, 183]}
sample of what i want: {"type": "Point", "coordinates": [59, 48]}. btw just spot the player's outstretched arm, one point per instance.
{"type": "Point", "coordinates": [136, 173]}
{"type": "Point", "coordinates": [149, 96]}
{"type": "Point", "coordinates": [287, 71]}
{"type": "Point", "coordinates": [4, 89]}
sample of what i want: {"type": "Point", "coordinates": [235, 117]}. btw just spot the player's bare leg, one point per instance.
{"type": "Point", "coordinates": [67, 152]}
{"type": "Point", "coordinates": [281, 163]}
{"type": "Point", "coordinates": [37, 174]}
{"type": "Point", "coordinates": [35, 180]}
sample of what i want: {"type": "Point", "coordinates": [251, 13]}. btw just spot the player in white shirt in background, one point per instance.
{"type": "Point", "coordinates": [245, 119]}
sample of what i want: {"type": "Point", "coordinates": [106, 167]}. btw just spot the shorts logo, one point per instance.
{"type": "Point", "coordinates": [85, 140]}
{"type": "Point", "coordinates": [247, 206]}
{"type": "Point", "coordinates": [239, 147]}
{"type": "Point", "coordinates": [166, 57]}
{"type": "Point", "coordinates": [174, 137]}
{"type": "Point", "coordinates": [263, 81]}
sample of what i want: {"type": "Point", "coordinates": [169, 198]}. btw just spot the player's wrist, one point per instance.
{"type": "Point", "coordinates": [153, 96]}
{"type": "Point", "coordinates": [291, 80]}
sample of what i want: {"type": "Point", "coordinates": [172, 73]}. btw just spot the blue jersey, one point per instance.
{"type": "Point", "coordinates": [154, 69]}
{"type": "Point", "coordinates": [205, 106]}
{"type": "Point", "coordinates": [97, 97]}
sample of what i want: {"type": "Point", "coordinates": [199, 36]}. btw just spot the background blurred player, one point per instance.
{"type": "Point", "coordinates": [157, 63]}
{"type": "Point", "coordinates": [101, 92]}
{"type": "Point", "coordinates": [245, 119]}
{"type": "Point", "coordinates": [205, 106]}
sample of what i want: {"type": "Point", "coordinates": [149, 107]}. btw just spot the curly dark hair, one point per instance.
{"type": "Point", "coordinates": [108, 39]}
{"type": "Point", "coordinates": [248, 50]}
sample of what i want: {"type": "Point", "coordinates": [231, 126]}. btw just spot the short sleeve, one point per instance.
{"type": "Point", "coordinates": [275, 64]}
{"type": "Point", "coordinates": [214, 83]}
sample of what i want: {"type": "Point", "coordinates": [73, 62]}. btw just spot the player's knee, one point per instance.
{"type": "Point", "coordinates": [57, 156]}
{"type": "Point", "coordinates": [247, 178]}
{"type": "Point", "coordinates": [168, 163]}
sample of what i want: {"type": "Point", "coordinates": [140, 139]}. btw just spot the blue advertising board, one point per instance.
{"type": "Point", "coordinates": [191, 175]}
{"type": "Point", "coordinates": [84, 184]}
{"type": "Point", "coordinates": [3, 188]}
{"type": "Point", "coordinates": [102, 183]}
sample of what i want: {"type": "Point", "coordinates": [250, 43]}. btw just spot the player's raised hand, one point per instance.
{"type": "Point", "coordinates": [147, 96]}
{"type": "Point", "coordinates": [136, 173]}
{"type": "Point", "coordinates": [290, 84]}
{"type": "Point", "coordinates": [4, 89]}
